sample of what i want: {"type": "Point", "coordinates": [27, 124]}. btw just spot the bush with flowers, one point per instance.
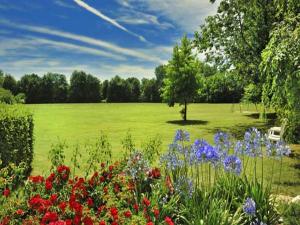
{"type": "Point", "coordinates": [197, 183]}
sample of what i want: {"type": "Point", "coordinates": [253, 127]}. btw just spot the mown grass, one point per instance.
{"type": "Point", "coordinates": [82, 123]}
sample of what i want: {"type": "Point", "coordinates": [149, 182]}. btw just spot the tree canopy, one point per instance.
{"type": "Point", "coordinates": [180, 83]}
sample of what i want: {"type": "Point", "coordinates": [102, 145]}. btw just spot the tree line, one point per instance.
{"type": "Point", "coordinates": [83, 88]}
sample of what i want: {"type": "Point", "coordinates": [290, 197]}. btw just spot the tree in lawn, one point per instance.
{"type": "Point", "coordinates": [9, 83]}
{"type": "Point", "coordinates": [180, 83]}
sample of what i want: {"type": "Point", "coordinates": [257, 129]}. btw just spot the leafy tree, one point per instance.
{"type": "Point", "coordinates": [118, 90]}
{"type": "Point", "coordinates": [135, 89]}
{"type": "Point", "coordinates": [10, 83]}
{"type": "Point", "coordinates": [223, 87]}
{"type": "Point", "coordinates": [280, 68]}
{"type": "Point", "coordinates": [84, 87]}
{"type": "Point", "coordinates": [54, 88]}
{"type": "Point", "coordinates": [237, 35]}
{"type": "Point", "coordinates": [6, 96]}
{"type": "Point", "coordinates": [160, 73]}
{"type": "Point", "coordinates": [1, 77]}
{"type": "Point", "coordinates": [252, 94]}
{"type": "Point", "coordinates": [104, 89]}
{"type": "Point", "coordinates": [180, 83]}
{"type": "Point", "coordinates": [30, 85]}
{"type": "Point", "coordinates": [150, 90]}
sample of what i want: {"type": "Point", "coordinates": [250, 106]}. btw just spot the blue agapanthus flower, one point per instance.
{"type": "Point", "coordinates": [181, 135]}
{"type": "Point", "coordinates": [239, 148]}
{"type": "Point", "coordinates": [232, 164]}
{"type": "Point", "coordinates": [278, 149]}
{"type": "Point", "coordinates": [253, 142]}
{"type": "Point", "coordinates": [171, 160]}
{"type": "Point", "coordinates": [184, 186]}
{"type": "Point", "coordinates": [222, 143]}
{"type": "Point", "coordinates": [249, 207]}
{"type": "Point", "coordinates": [204, 152]}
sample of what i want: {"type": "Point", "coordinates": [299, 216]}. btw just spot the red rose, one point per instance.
{"type": "Point", "coordinates": [50, 217]}
{"type": "Point", "coordinates": [127, 214]}
{"type": "Point", "coordinates": [6, 192]}
{"type": "Point", "coordinates": [146, 201]}
{"type": "Point", "coordinates": [36, 179]}
{"type": "Point", "coordinates": [62, 206]}
{"type": "Point", "coordinates": [113, 211]}
{"type": "Point", "coordinates": [48, 185]}
{"type": "Point", "coordinates": [169, 221]}
{"type": "Point", "coordinates": [20, 212]}
{"type": "Point", "coordinates": [87, 221]}
{"type": "Point", "coordinates": [136, 207]}
{"type": "Point", "coordinates": [53, 198]}
{"type": "Point", "coordinates": [102, 222]}
{"type": "Point", "coordinates": [156, 213]}
{"type": "Point", "coordinates": [90, 202]}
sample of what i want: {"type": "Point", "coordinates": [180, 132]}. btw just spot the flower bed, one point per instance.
{"type": "Point", "coordinates": [197, 183]}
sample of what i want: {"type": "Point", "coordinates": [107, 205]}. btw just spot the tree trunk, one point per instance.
{"type": "Point", "coordinates": [185, 110]}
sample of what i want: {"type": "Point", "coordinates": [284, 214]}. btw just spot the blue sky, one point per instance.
{"type": "Point", "coordinates": [102, 37]}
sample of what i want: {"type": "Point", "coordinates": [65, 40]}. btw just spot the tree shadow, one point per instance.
{"type": "Point", "coordinates": [269, 116]}
{"type": "Point", "coordinates": [187, 122]}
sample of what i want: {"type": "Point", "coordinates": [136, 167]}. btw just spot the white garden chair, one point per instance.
{"type": "Point", "coordinates": [276, 133]}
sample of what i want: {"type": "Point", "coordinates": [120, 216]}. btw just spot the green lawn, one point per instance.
{"type": "Point", "coordinates": [82, 123]}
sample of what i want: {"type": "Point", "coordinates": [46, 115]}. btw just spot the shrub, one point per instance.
{"type": "Point", "coordinates": [6, 96]}
{"type": "Point", "coordinates": [16, 135]}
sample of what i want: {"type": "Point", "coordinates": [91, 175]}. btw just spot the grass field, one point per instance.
{"type": "Point", "coordinates": [82, 123]}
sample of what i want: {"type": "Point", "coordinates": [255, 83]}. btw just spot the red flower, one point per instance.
{"type": "Point", "coordinates": [116, 188]}
{"type": "Point", "coordinates": [146, 201]}
{"type": "Point", "coordinates": [154, 173]}
{"type": "Point", "coordinates": [90, 202]}
{"type": "Point", "coordinates": [102, 179]}
{"type": "Point", "coordinates": [114, 223]}
{"type": "Point", "coordinates": [136, 207]}
{"type": "Point", "coordinates": [64, 172]}
{"type": "Point", "coordinates": [87, 221]}
{"type": "Point", "coordinates": [156, 213]}
{"type": "Point", "coordinates": [150, 223]}
{"type": "Point", "coordinates": [53, 198]}
{"type": "Point", "coordinates": [77, 220]}
{"type": "Point", "coordinates": [127, 214]}
{"type": "Point", "coordinates": [62, 206]}
{"type": "Point", "coordinates": [20, 212]}
{"type": "Point", "coordinates": [101, 208]}
{"type": "Point", "coordinates": [36, 179]}
{"type": "Point", "coordinates": [102, 164]}
{"type": "Point", "coordinates": [48, 185]}
{"type": "Point", "coordinates": [111, 167]}
{"type": "Point", "coordinates": [50, 217]}
{"type": "Point", "coordinates": [169, 221]}
{"type": "Point", "coordinates": [51, 177]}
{"type": "Point", "coordinates": [113, 211]}
{"type": "Point", "coordinates": [6, 192]}
{"type": "Point", "coordinates": [102, 222]}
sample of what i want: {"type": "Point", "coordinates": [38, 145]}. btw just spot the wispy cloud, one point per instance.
{"type": "Point", "coordinates": [187, 14]}
{"type": "Point", "coordinates": [108, 19]}
{"type": "Point", "coordinates": [63, 4]}
{"type": "Point", "coordinates": [88, 40]}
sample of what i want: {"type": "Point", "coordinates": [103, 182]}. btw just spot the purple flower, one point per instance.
{"type": "Point", "coordinates": [181, 135]}
{"type": "Point", "coordinates": [252, 143]}
{"type": "Point", "coordinates": [249, 207]}
{"type": "Point", "coordinates": [204, 152]}
{"type": "Point", "coordinates": [232, 164]}
{"type": "Point", "coordinates": [278, 149]}
{"type": "Point", "coordinates": [222, 142]}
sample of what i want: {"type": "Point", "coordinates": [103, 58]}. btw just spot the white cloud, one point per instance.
{"type": "Point", "coordinates": [138, 18]}
{"type": "Point", "coordinates": [88, 40]}
{"type": "Point", "coordinates": [187, 14]}
{"type": "Point", "coordinates": [108, 19]}
{"type": "Point", "coordinates": [64, 4]}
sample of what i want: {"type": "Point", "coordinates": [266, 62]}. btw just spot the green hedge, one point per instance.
{"type": "Point", "coordinates": [16, 135]}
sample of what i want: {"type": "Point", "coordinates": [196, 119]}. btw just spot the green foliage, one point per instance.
{"type": "Point", "coordinates": [30, 85]}
{"type": "Point", "coordinates": [280, 69]}
{"type": "Point", "coordinates": [128, 144]}
{"type": "Point", "coordinates": [150, 90]}
{"type": "Point", "coordinates": [237, 34]}
{"type": "Point", "coordinates": [98, 153]}
{"type": "Point", "coordinates": [180, 83]}
{"type": "Point", "coordinates": [151, 148]}
{"type": "Point", "coordinates": [9, 83]}
{"type": "Point", "coordinates": [1, 78]}
{"type": "Point", "coordinates": [16, 135]}
{"type": "Point", "coordinates": [54, 88]}
{"type": "Point", "coordinates": [6, 96]}
{"type": "Point", "coordinates": [220, 87]}
{"type": "Point", "coordinates": [252, 94]}
{"type": "Point", "coordinates": [56, 155]}
{"type": "Point", "coordinates": [84, 88]}
{"type": "Point", "coordinates": [290, 213]}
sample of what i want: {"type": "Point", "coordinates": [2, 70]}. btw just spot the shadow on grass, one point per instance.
{"type": "Point", "coordinates": [269, 116]}
{"type": "Point", "coordinates": [288, 183]}
{"type": "Point", "coordinates": [188, 122]}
